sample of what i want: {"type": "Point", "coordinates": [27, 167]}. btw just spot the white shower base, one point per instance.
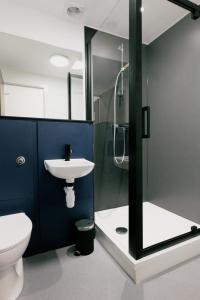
{"type": "Point", "coordinates": [159, 225]}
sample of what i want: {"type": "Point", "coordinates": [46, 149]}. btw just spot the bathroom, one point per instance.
{"type": "Point", "coordinates": [99, 168]}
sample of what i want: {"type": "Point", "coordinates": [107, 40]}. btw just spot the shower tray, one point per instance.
{"type": "Point", "coordinates": [117, 245]}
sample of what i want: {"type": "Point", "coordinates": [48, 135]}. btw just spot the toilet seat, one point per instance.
{"type": "Point", "coordinates": [14, 229]}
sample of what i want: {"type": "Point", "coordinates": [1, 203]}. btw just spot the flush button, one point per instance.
{"type": "Point", "coordinates": [20, 160]}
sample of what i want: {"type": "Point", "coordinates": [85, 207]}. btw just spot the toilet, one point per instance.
{"type": "Point", "coordinates": [15, 233]}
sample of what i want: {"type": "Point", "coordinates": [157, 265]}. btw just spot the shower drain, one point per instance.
{"type": "Point", "coordinates": [121, 230]}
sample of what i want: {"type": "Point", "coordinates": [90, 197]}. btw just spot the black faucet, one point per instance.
{"type": "Point", "coordinates": [68, 152]}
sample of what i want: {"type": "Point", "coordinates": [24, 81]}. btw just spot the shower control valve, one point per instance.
{"type": "Point", "coordinates": [20, 160]}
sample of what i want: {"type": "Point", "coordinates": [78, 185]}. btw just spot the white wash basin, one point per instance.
{"type": "Point", "coordinates": [69, 170]}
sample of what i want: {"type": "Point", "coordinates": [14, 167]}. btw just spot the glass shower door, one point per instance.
{"type": "Point", "coordinates": [171, 164]}
{"type": "Point", "coordinates": [110, 113]}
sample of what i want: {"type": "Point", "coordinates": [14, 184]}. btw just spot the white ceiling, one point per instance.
{"type": "Point", "coordinates": [95, 11]}
{"type": "Point", "coordinates": [112, 15]}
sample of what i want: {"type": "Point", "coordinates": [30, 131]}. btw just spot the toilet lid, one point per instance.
{"type": "Point", "coordinates": [13, 230]}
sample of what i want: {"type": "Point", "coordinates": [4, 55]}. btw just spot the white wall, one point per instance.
{"type": "Point", "coordinates": [23, 101]}
{"type": "Point", "coordinates": [56, 90]}
{"type": "Point", "coordinates": [32, 24]}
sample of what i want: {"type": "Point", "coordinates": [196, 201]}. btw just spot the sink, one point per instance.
{"type": "Point", "coordinates": [69, 170]}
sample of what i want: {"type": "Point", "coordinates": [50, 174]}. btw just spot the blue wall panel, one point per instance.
{"type": "Point", "coordinates": [30, 188]}
{"type": "Point", "coordinates": [18, 184]}
{"type": "Point", "coordinates": [56, 220]}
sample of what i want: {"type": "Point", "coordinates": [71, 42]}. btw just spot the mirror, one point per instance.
{"type": "Point", "coordinates": [76, 97]}
{"type": "Point", "coordinates": [34, 80]}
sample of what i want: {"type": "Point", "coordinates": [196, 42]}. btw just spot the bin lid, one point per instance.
{"type": "Point", "coordinates": [84, 224]}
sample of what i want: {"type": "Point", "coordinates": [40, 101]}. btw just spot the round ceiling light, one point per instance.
{"type": "Point", "coordinates": [59, 61]}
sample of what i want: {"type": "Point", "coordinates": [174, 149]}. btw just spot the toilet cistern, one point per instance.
{"type": "Point", "coordinates": [69, 170]}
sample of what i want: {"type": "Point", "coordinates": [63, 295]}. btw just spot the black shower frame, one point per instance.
{"type": "Point", "coordinates": [135, 135]}
{"type": "Point", "coordinates": [136, 126]}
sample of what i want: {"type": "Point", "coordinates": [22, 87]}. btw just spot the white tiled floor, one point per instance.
{"type": "Point", "coordinates": [57, 276]}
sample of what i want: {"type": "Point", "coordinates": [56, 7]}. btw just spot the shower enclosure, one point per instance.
{"type": "Point", "coordinates": [142, 91]}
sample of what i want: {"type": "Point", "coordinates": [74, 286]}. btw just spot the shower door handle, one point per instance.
{"type": "Point", "coordinates": [146, 122]}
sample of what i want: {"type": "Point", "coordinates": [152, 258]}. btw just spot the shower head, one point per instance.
{"type": "Point", "coordinates": [125, 67]}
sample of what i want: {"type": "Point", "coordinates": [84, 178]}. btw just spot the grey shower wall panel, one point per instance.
{"type": "Point", "coordinates": [105, 72]}
{"type": "Point", "coordinates": [111, 182]}
{"type": "Point", "coordinates": [173, 95]}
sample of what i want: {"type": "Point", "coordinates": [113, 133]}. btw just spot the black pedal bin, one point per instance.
{"type": "Point", "coordinates": [85, 235]}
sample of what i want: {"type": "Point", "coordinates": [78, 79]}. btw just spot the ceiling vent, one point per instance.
{"type": "Point", "coordinates": [74, 11]}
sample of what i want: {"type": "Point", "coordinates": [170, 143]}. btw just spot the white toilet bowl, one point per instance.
{"type": "Point", "coordinates": [15, 233]}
